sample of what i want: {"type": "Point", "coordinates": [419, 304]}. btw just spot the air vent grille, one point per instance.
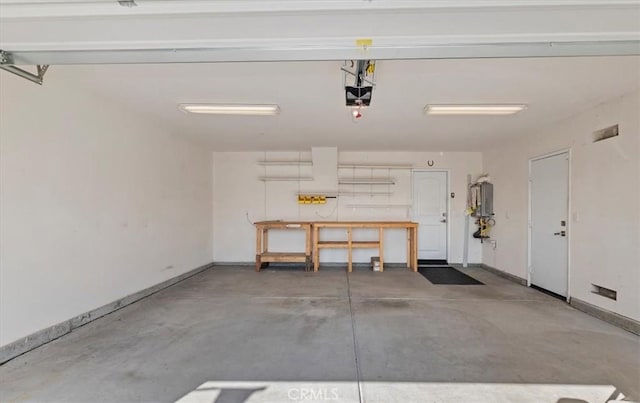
{"type": "Point", "coordinates": [607, 133]}
{"type": "Point", "coordinates": [604, 292]}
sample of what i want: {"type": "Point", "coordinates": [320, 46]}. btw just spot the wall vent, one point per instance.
{"type": "Point", "coordinates": [607, 133]}
{"type": "Point", "coordinates": [605, 292]}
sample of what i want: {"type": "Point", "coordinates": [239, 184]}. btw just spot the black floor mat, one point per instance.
{"type": "Point", "coordinates": [432, 262]}
{"type": "Point", "coordinates": [447, 275]}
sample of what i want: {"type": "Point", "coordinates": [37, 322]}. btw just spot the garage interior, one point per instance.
{"type": "Point", "coordinates": [353, 201]}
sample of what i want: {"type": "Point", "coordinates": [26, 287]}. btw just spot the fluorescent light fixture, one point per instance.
{"type": "Point", "coordinates": [231, 109]}
{"type": "Point", "coordinates": [473, 109]}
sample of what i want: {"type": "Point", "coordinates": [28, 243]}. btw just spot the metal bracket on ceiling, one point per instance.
{"type": "Point", "coordinates": [127, 3]}
{"type": "Point", "coordinates": [6, 63]}
{"type": "Point", "coordinates": [360, 70]}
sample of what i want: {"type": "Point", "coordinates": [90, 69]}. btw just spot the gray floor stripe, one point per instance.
{"type": "Point", "coordinates": [355, 343]}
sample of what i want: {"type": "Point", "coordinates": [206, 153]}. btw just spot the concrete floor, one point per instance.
{"type": "Point", "coordinates": [232, 335]}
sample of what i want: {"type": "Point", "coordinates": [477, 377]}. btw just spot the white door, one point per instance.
{"type": "Point", "coordinates": [430, 212]}
{"type": "Point", "coordinates": [548, 232]}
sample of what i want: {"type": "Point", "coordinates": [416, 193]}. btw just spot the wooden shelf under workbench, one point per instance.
{"type": "Point", "coordinates": [350, 244]}
{"type": "Point", "coordinates": [263, 255]}
{"type": "Point", "coordinates": [346, 244]}
{"type": "Point", "coordinates": [313, 244]}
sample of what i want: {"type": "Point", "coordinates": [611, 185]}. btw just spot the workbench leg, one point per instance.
{"type": "Point", "coordinates": [316, 252]}
{"type": "Point", "coordinates": [265, 240]}
{"type": "Point", "coordinates": [307, 248]}
{"type": "Point", "coordinates": [412, 251]}
{"type": "Point", "coordinates": [409, 250]}
{"type": "Point", "coordinates": [349, 251]}
{"type": "Point", "coordinates": [258, 240]}
{"type": "Point", "coordinates": [259, 231]}
{"type": "Point", "coordinates": [414, 246]}
{"type": "Point", "coordinates": [381, 249]}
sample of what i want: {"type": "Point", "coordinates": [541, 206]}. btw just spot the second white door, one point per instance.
{"type": "Point", "coordinates": [430, 212]}
{"type": "Point", "coordinates": [548, 230]}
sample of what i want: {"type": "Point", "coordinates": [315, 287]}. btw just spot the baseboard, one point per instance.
{"type": "Point", "coordinates": [504, 274]}
{"type": "Point", "coordinates": [44, 336]}
{"type": "Point", "coordinates": [458, 265]}
{"type": "Point", "coordinates": [362, 265]}
{"type": "Point", "coordinates": [391, 265]}
{"type": "Point", "coordinates": [613, 318]}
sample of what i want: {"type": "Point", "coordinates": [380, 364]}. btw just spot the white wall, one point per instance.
{"type": "Point", "coordinates": [605, 202]}
{"type": "Point", "coordinates": [240, 198]}
{"type": "Point", "coordinates": [96, 203]}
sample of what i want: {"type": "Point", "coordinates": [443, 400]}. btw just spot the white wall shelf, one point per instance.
{"type": "Point", "coordinates": [285, 163]}
{"type": "Point", "coordinates": [364, 193]}
{"type": "Point", "coordinates": [314, 193]}
{"type": "Point", "coordinates": [373, 166]}
{"type": "Point", "coordinates": [285, 178]}
{"type": "Point", "coordinates": [366, 181]}
{"type": "Point", "coordinates": [404, 206]}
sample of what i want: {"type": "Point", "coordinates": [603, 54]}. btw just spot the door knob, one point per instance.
{"type": "Point", "coordinates": [443, 220]}
{"type": "Point", "coordinates": [561, 233]}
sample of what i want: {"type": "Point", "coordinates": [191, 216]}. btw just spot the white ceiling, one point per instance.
{"type": "Point", "coordinates": [101, 31]}
{"type": "Point", "coordinates": [87, 33]}
{"type": "Point", "coordinates": [313, 111]}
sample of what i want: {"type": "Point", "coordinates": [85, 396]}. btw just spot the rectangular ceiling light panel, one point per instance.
{"type": "Point", "coordinates": [231, 109]}
{"type": "Point", "coordinates": [473, 109]}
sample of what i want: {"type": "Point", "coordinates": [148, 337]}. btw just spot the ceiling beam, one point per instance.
{"type": "Point", "coordinates": [267, 30]}
{"type": "Point", "coordinates": [85, 8]}
{"type": "Point", "coordinates": [269, 54]}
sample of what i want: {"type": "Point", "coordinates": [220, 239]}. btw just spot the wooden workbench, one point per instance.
{"type": "Point", "coordinates": [350, 244]}
{"type": "Point", "coordinates": [263, 255]}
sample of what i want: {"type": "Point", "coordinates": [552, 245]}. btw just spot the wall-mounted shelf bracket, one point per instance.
{"type": "Point", "coordinates": [6, 63]}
